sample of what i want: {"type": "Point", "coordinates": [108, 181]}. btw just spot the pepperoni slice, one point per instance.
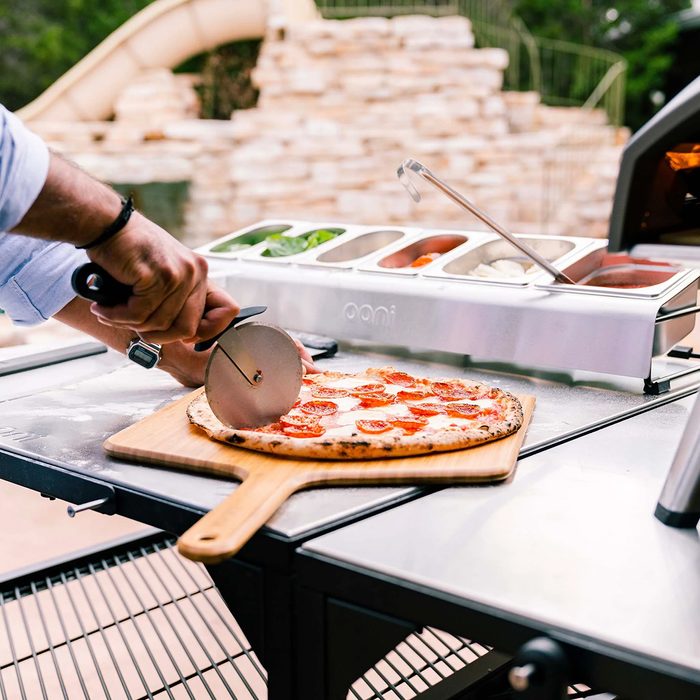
{"type": "Point", "coordinates": [464, 410]}
{"type": "Point", "coordinates": [491, 394]}
{"type": "Point", "coordinates": [374, 400]}
{"type": "Point", "coordinates": [413, 395]}
{"type": "Point", "coordinates": [328, 392]}
{"type": "Point", "coordinates": [309, 431]}
{"type": "Point", "coordinates": [373, 427]}
{"type": "Point", "coordinates": [400, 378]}
{"type": "Point", "coordinates": [319, 408]}
{"type": "Point", "coordinates": [271, 428]}
{"type": "Point", "coordinates": [364, 389]}
{"type": "Point", "coordinates": [410, 424]}
{"type": "Point", "coordinates": [299, 421]}
{"type": "Point", "coordinates": [427, 409]}
{"type": "Point", "coordinates": [452, 391]}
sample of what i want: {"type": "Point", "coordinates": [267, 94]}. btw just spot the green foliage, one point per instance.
{"type": "Point", "coordinates": [643, 31]}
{"type": "Point", "coordinates": [42, 39]}
{"type": "Point", "coordinates": [226, 78]}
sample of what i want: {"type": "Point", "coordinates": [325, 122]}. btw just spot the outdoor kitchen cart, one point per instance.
{"type": "Point", "coordinates": [563, 566]}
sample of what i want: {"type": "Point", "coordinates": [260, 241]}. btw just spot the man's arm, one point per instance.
{"type": "Point", "coordinates": [169, 281]}
{"type": "Point", "coordinates": [44, 196]}
{"type": "Point", "coordinates": [178, 359]}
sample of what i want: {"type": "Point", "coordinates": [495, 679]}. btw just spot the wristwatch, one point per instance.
{"type": "Point", "coordinates": [142, 353]}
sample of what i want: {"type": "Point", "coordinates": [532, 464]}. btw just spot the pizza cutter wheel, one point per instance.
{"type": "Point", "coordinates": [253, 376]}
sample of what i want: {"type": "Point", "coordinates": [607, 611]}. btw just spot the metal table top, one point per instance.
{"type": "Point", "coordinates": [569, 544]}
{"type": "Point", "coordinates": [63, 413]}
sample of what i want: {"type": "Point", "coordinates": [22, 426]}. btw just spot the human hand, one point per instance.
{"type": "Point", "coordinates": [172, 299]}
{"type": "Point", "coordinates": [181, 361]}
{"type": "Point", "coordinates": [307, 362]}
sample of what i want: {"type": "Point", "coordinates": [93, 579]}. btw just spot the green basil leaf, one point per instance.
{"type": "Point", "coordinates": [229, 247]}
{"type": "Point", "coordinates": [279, 246]}
{"type": "Point", "coordinates": [318, 237]}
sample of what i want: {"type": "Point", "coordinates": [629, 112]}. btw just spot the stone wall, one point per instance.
{"type": "Point", "coordinates": [341, 105]}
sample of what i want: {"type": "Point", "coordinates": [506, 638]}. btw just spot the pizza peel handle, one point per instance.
{"type": "Point", "coordinates": [226, 528]}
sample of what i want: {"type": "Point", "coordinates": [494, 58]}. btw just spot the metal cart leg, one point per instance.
{"type": "Point", "coordinates": [262, 604]}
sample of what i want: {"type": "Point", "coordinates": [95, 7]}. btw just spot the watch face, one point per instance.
{"type": "Point", "coordinates": [143, 356]}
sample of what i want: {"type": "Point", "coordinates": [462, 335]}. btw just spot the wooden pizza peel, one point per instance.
{"type": "Point", "coordinates": [168, 438]}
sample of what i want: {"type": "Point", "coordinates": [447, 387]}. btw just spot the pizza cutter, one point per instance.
{"type": "Point", "coordinates": [253, 375]}
{"type": "Point", "coordinates": [254, 372]}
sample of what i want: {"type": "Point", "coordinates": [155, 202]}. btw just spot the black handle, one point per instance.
{"type": "Point", "coordinates": [243, 315]}
{"type": "Point", "coordinates": [91, 282]}
{"type": "Point", "coordinates": [540, 671]}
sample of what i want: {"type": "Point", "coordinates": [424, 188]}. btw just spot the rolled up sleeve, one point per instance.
{"type": "Point", "coordinates": [24, 164]}
{"type": "Point", "coordinates": [34, 274]}
{"type": "Point", "coordinates": [35, 277]}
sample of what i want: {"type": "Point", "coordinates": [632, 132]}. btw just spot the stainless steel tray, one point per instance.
{"type": "Point", "coordinates": [399, 259]}
{"type": "Point", "coordinates": [461, 265]}
{"type": "Point", "coordinates": [531, 322]}
{"type": "Point", "coordinates": [600, 273]}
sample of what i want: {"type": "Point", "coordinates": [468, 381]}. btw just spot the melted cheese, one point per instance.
{"type": "Point", "coordinates": [343, 423]}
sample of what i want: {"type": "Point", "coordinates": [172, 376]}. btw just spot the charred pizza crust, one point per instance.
{"type": "Point", "coordinates": [356, 445]}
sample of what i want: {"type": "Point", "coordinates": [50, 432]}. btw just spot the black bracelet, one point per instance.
{"type": "Point", "coordinates": [117, 225]}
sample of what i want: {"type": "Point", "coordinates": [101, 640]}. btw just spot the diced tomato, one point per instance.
{"type": "Point", "coordinates": [360, 391]}
{"type": "Point", "coordinates": [299, 421]}
{"type": "Point", "coordinates": [308, 380]}
{"type": "Point", "coordinates": [328, 392]}
{"type": "Point", "coordinates": [374, 400]}
{"type": "Point", "coordinates": [427, 409]}
{"type": "Point", "coordinates": [413, 395]}
{"type": "Point", "coordinates": [463, 410]}
{"type": "Point", "coordinates": [303, 431]}
{"type": "Point", "coordinates": [319, 408]}
{"type": "Point", "coordinates": [373, 426]}
{"type": "Point", "coordinates": [425, 259]}
{"type": "Point", "coordinates": [400, 378]}
{"type": "Point", "coordinates": [296, 403]}
{"type": "Point", "coordinates": [410, 424]}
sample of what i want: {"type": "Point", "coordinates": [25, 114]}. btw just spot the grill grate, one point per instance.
{"type": "Point", "coordinates": [421, 661]}
{"type": "Point", "coordinates": [145, 624]}
{"type": "Point", "coordinates": [148, 624]}
{"type": "Point", "coordinates": [424, 659]}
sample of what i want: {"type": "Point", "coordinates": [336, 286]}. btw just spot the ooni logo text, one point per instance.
{"type": "Point", "coordinates": [371, 315]}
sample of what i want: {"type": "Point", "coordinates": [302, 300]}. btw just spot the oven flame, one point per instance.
{"type": "Point", "coordinates": [685, 156]}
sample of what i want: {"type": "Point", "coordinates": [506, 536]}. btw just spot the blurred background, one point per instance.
{"type": "Point", "coordinates": [219, 113]}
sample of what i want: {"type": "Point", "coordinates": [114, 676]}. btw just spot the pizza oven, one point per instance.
{"type": "Point", "coordinates": [470, 292]}
{"type": "Point", "coordinates": [657, 201]}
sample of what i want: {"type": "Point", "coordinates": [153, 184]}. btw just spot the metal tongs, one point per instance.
{"type": "Point", "coordinates": [410, 166]}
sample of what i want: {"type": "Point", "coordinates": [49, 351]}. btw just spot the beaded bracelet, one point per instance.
{"type": "Point", "coordinates": [117, 225]}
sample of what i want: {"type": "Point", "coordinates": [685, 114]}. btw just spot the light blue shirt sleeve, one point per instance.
{"type": "Point", "coordinates": [34, 274]}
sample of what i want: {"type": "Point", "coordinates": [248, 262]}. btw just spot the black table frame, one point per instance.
{"type": "Point", "coordinates": [337, 601]}
{"type": "Point", "coordinates": [258, 585]}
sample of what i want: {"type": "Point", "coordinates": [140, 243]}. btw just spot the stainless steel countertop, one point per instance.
{"type": "Point", "coordinates": [570, 542]}
{"type": "Point", "coordinates": [63, 413]}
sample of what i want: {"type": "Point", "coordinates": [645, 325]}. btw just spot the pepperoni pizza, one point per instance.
{"type": "Point", "coordinates": [375, 414]}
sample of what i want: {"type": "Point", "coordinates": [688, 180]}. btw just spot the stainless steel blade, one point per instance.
{"type": "Point", "coordinates": [253, 376]}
